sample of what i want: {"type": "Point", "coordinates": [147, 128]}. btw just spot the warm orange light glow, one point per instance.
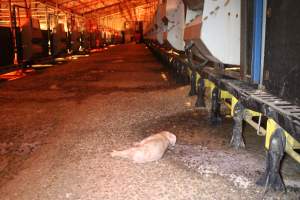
{"type": "Point", "coordinates": [13, 75]}
{"type": "Point", "coordinates": [83, 15]}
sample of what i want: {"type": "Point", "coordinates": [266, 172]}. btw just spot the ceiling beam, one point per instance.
{"type": "Point", "coordinates": [123, 13]}
{"type": "Point", "coordinates": [53, 5]}
{"type": "Point", "coordinates": [65, 2]}
{"type": "Point", "coordinates": [115, 5]}
{"type": "Point", "coordinates": [88, 4]}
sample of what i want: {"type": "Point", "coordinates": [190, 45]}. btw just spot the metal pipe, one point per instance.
{"type": "Point", "coordinates": [10, 15]}
{"type": "Point", "coordinates": [26, 7]}
{"type": "Point", "coordinates": [13, 32]}
{"type": "Point", "coordinates": [257, 41]}
{"type": "Point", "coordinates": [244, 38]}
{"type": "Point", "coordinates": [265, 2]}
{"type": "Point", "coordinates": [19, 18]}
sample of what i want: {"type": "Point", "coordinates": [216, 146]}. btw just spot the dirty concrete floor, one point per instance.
{"type": "Point", "coordinates": [59, 125]}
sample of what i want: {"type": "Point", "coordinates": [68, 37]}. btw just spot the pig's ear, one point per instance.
{"type": "Point", "coordinates": [172, 139]}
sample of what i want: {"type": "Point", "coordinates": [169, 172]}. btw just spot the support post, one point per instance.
{"type": "Point", "coordinates": [184, 74]}
{"type": "Point", "coordinates": [215, 117]}
{"type": "Point", "coordinates": [176, 71]}
{"type": "Point", "coordinates": [193, 83]}
{"type": "Point", "coordinates": [200, 93]}
{"type": "Point", "coordinates": [271, 177]}
{"type": "Point", "coordinates": [237, 140]}
{"type": "Point", "coordinates": [12, 18]}
{"type": "Point", "coordinates": [178, 74]}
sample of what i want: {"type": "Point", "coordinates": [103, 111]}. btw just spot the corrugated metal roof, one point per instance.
{"type": "Point", "coordinates": [112, 13]}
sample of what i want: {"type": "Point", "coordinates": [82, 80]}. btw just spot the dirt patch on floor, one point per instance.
{"type": "Point", "coordinates": [205, 148]}
{"type": "Point", "coordinates": [58, 128]}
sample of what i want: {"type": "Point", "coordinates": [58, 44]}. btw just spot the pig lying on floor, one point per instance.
{"type": "Point", "coordinates": [149, 149]}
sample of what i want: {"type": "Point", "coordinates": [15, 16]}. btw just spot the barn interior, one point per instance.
{"type": "Point", "coordinates": [80, 79]}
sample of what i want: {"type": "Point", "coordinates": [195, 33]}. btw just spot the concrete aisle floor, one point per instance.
{"type": "Point", "coordinates": [59, 125]}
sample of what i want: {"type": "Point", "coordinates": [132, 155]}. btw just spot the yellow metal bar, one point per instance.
{"type": "Point", "coordinates": [271, 127]}
{"type": "Point", "coordinates": [291, 143]}
{"type": "Point", "coordinates": [233, 103]}
{"type": "Point", "coordinates": [290, 151]}
{"type": "Point", "coordinates": [225, 94]}
{"type": "Point", "coordinates": [249, 114]}
{"type": "Point", "coordinates": [189, 72]}
{"type": "Point", "coordinates": [197, 77]}
{"type": "Point", "coordinates": [228, 105]}
{"type": "Point", "coordinates": [210, 85]}
{"type": "Point", "coordinates": [252, 113]}
{"type": "Point", "coordinates": [260, 130]}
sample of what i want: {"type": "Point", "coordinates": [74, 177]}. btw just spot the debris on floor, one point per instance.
{"type": "Point", "coordinates": [55, 143]}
